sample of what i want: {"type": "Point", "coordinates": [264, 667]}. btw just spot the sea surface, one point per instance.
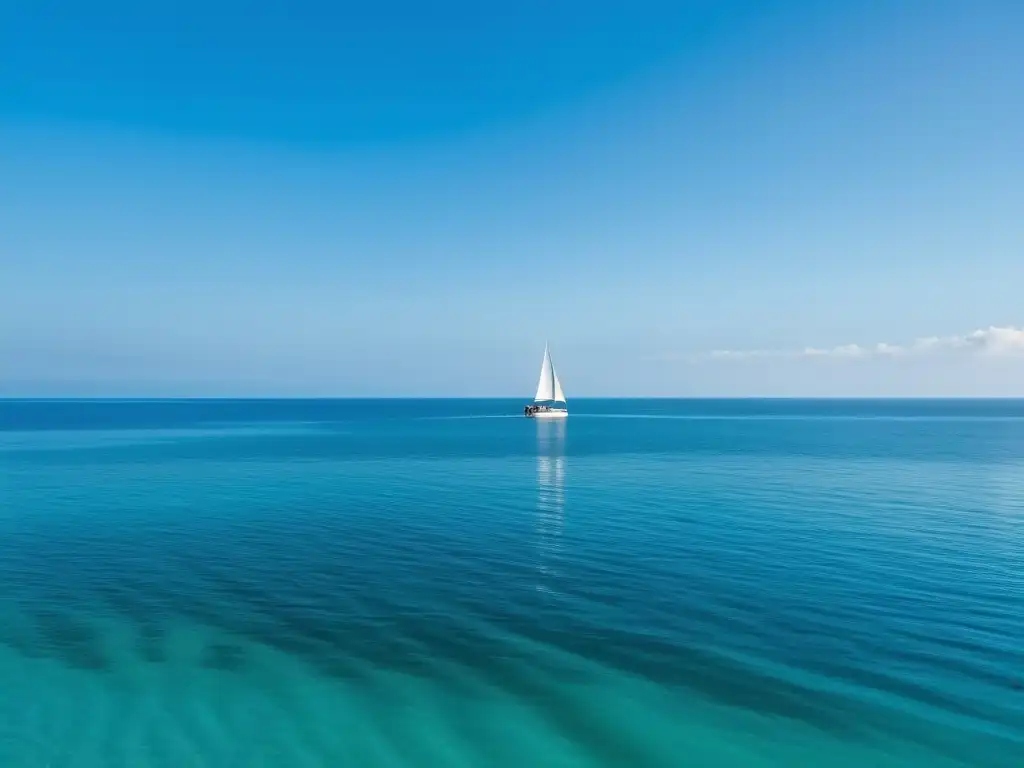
{"type": "Point", "coordinates": [446, 583]}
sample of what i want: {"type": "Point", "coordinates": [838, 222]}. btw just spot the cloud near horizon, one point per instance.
{"type": "Point", "coordinates": [986, 342]}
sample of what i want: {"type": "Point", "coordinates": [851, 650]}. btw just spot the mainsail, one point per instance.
{"type": "Point", "coordinates": [549, 388]}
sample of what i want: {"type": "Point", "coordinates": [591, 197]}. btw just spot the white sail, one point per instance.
{"type": "Point", "coordinates": [549, 388]}
{"type": "Point", "coordinates": [559, 395]}
{"type": "Point", "coordinates": [546, 385]}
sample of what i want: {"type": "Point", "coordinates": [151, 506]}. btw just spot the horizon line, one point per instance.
{"type": "Point", "coordinates": [227, 398]}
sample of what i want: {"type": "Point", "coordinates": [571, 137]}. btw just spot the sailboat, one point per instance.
{"type": "Point", "coordinates": [549, 393]}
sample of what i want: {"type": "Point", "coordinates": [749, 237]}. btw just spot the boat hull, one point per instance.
{"type": "Point", "coordinates": [552, 414]}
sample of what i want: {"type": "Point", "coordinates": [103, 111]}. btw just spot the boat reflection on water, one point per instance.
{"type": "Point", "coordinates": [550, 501]}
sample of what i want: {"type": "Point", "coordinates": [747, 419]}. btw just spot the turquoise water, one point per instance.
{"type": "Point", "coordinates": [446, 583]}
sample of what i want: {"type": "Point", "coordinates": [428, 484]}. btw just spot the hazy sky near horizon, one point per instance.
{"type": "Point", "coordinates": [698, 197]}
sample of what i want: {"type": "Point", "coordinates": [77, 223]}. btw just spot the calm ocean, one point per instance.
{"type": "Point", "coordinates": [439, 583]}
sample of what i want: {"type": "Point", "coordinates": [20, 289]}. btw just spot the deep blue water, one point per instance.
{"type": "Point", "coordinates": [446, 583]}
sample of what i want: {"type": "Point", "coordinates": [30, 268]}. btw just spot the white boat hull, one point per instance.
{"type": "Point", "coordinates": [552, 414]}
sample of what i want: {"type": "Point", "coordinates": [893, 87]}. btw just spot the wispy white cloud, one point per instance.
{"type": "Point", "coordinates": [993, 341]}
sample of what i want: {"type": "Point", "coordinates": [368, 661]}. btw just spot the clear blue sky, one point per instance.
{"type": "Point", "coordinates": [685, 198]}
